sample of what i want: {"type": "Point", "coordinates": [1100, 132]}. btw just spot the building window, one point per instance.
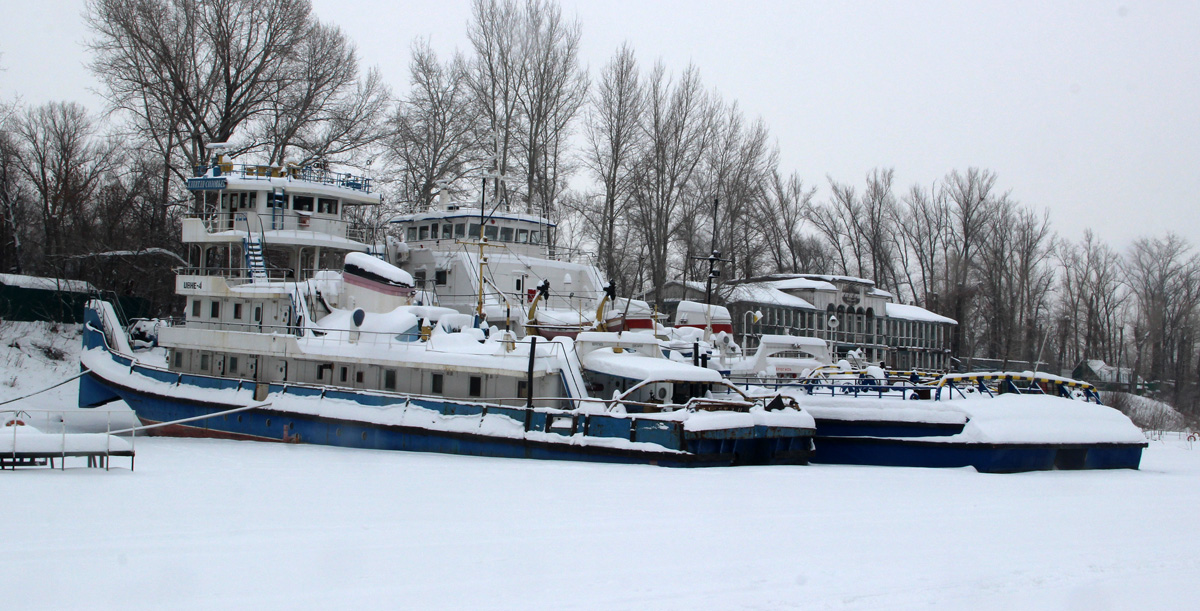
{"type": "Point", "coordinates": [215, 310]}
{"type": "Point", "coordinates": [195, 308]}
{"type": "Point", "coordinates": [389, 379]}
{"type": "Point", "coordinates": [435, 385]}
{"type": "Point", "coordinates": [476, 389]}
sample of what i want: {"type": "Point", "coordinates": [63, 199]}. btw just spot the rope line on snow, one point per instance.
{"type": "Point", "coordinates": [38, 392]}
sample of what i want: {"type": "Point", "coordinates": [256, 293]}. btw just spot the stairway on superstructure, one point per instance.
{"type": "Point", "coordinates": [254, 258]}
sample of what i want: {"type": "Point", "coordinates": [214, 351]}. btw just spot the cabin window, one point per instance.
{"type": "Point", "coordinates": [419, 278]}
{"type": "Point", "coordinates": [476, 389]}
{"type": "Point", "coordinates": [233, 365]}
{"type": "Point", "coordinates": [195, 308]}
{"type": "Point", "coordinates": [447, 231]}
{"type": "Point", "coordinates": [460, 230]}
{"type": "Point", "coordinates": [204, 362]}
{"type": "Point", "coordinates": [178, 359]}
{"type": "Point", "coordinates": [535, 237]}
{"type": "Point", "coordinates": [435, 384]}
{"type": "Point", "coordinates": [302, 203]}
{"type": "Point", "coordinates": [423, 234]}
{"type": "Point", "coordinates": [344, 373]}
{"type": "Point", "coordinates": [523, 389]}
{"type": "Point", "coordinates": [506, 234]}
{"type": "Point", "coordinates": [412, 234]}
{"type": "Point", "coordinates": [389, 379]}
{"type": "Point", "coordinates": [257, 313]}
{"type": "Point", "coordinates": [522, 236]}
{"type": "Point", "coordinates": [433, 231]}
{"type": "Point", "coordinates": [237, 311]}
{"type": "Point", "coordinates": [439, 277]}
{"type": "Point", "coordinates": [474, 232]}
{"type": "Point", "coordinates": [520, 282]}
{"type": "Point", "coordinates": [215, 310]}
{"type": "Point", "coordinates": [326, 205]}
{"type": "Point", "coordinates": [358, 377]}
{"type": "Point", "coordinates": [491, 232]}
{"type": "Point", "coordinates": [252, 201]}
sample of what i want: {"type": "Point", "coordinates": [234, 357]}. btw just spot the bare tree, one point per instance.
{"type": "Point", "coordinates": [434, 138]}
{"type": "Point", "coordinates": [64, 159]}
{"type": "Point", "coordinates": [781, 214]}
{"type": "Point", "coordinates": [677, 127]}
{"type": "Point", "coordinates": [613, 136]}
{"type": "Point", "coordinates": [495, 76]}
{"type": "Point", "coordinates": [969, 196]}
{"type": "Point", "coordinates": [1164, 275]}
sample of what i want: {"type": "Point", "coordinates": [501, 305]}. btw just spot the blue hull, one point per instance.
{"type": "Point", "coordinates": [681, 448]}
{"type": "Point", "coordinates": [909, 445]}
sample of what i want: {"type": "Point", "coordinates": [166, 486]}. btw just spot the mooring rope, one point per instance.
{"type": "Point", "coordinates": [38, 392]}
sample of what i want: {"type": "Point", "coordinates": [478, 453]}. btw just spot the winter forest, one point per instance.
{"type": "Point", "coordinates": [641, 164]}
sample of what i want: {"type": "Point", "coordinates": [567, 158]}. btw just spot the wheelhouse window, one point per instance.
{"type": "Point", "coordinates": [439, 277]}
{"type": "Point", "coordinates": [447, 231]}
{"type": "Point", "coordinates": [302, 203]}
{"type": "Point", "coordinates": [522, 236]}
{"type": "Point", "coordinates": [474, 232]}
{"type": "Point", "coordinates": [506, 234]}
{"type": "Point", "coordinates": [460, 230]}
{"type": "Point", "coordinates": [491, 232]}
{"type": "Point", "coordinates": [326, 205]}
{"type": "Point", "coordinates": [412, 234]}
{"type": "Point", "coordinates": [423, 234]}
{"type": "Point", "coordinates": [535, 237]}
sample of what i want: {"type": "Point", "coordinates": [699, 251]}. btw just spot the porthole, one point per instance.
{"type": "Point", "coordinates": [239, 418]}
{"type": "Point", "coordinates": [268, 423]}
{"type": "Point", "coordinates": [364, 436]}
{"type": "Point", "coordinates": [337, 432]}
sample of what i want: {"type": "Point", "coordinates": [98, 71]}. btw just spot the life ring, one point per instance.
{"type": "Point", "coordinates": [15, 422]}
{"type": "Point", "coordinates": [1193, 437]}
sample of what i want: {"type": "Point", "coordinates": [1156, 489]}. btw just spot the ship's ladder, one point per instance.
{"type": "Point", "coordinates": [254, 258]}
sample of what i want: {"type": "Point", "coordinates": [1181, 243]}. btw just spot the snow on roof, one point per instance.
{"type": "Point", "coordinates": [380, 268]}
{"type": "Point", "coordinates": [764, 292]}
{"type": "Point", "coordinates": [46, 284]}
{"type": "Point", "coordinates": [646, 368]}
{"type": "Point", "coordinates": [911, 312]}
{"type": "Point", "coordinates": [801, 284]}
{"type": "Point", "coordinates": [1109, 373]}
{"type": "Point", "coordinates": [877, 292]}
{"type": "Point", "coordinates": [714, 313]}
{"type": "Point", "coordinates": [467, 213]}
{"type": "Point", "coordinates": [834, 278]}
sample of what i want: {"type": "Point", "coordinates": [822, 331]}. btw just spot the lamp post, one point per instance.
{"type": "Point", "coordinates": [833, 325]}
{"type": "Point", "coordinates": [750, 316]}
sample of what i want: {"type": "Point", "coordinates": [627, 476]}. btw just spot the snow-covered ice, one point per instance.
{"type": "Point", "coordinates": [205, 524]}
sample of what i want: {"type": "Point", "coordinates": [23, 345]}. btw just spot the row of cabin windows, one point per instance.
{"type": "Point", "coordinates": [325, 373]}
{"type": "Point", "coordinates": [447, 231]}
{"type": "Point", "coordinates": [301, 203]}
{"type": "Point", "coordinates": [214, 310]}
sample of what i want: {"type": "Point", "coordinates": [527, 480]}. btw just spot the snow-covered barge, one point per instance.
{"type": "Point", "coordinates": [288, 317]}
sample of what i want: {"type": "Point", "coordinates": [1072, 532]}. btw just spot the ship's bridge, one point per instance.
{"type": "Point", "coordinates": [523, 234]}
{"type": "Point", "coordinates": [256, 221]}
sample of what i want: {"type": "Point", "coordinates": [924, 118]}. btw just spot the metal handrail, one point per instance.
{"type": "Point", "coordinates": [306, 173]}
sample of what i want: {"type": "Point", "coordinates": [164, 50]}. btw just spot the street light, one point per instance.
{"type": "Point", "coordinates": [833, 325]}
{"type": "Point", "coordinates": [756, 315]}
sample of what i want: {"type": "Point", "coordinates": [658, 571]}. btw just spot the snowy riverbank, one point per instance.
{"type": "Point", "coordinates": [207, 524]}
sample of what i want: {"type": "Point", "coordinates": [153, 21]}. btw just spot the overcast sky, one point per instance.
{"type": "Point", "coordinates": [1088, 109]}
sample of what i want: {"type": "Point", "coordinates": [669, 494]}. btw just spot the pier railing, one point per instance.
{"type": "Point", "coordinates": [22, 447]}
